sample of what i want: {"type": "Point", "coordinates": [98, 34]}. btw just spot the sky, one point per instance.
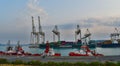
{"type": "Point", "coordinates": [99, 16]}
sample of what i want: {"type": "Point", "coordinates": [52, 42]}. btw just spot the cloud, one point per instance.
{"type": "Point", "coordinates": [109, 21]}
{"type": "Point", "coordinates": [20, 25]}
{"type": "Point", "coordinates": [35, 10]}
{"type": "Point", "coordinates": [99, 27]}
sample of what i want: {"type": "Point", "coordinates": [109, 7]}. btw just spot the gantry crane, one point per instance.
{"type": "Point", "coordinates": [35, 36]}
{"type": "Point", "coordinates": [87, 37]}
{"type": "Point", "coordinates": [41, 33]}
{"type": "Point", "coordinates": [33, 33]}
{"type": "Point", "coordinates": [77, 33]}
{"type": "Point", "coordinates": [56, 32]}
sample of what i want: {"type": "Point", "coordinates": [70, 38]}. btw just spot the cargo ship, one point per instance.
{"type": "Point", "coordinates": [108, 44]}
{"type": "Point", "coordinates": [64, 44]}
{"type": "Point", "coordinates": [38, 38]}
{"type": "Point", "coordinates": [113, 42]}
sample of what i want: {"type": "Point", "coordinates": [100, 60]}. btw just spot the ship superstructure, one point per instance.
{"type": "Point", "coordinates": [113, 42]}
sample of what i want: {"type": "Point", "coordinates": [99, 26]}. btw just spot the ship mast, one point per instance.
{"type": "Point", "coordinates": [56, 32]}
{"type": "Point", "coordinates": [77, 32]}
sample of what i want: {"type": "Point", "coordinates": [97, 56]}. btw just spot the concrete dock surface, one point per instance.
{"type": "Point", "coordinates": [63, 58]}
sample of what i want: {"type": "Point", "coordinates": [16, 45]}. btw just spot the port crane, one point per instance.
{"type": "Point", "coordinates": [41, 33]}
{"type": "Point", "coordinates": [37, 36]}
{"type": "Point", "coordinates": [33, 33]}
{"type": "Point", "coordinates": [115, 36]}
{"type": "Point", "coordinates": [87, 37]}
{"type": "Point", "coordinates": [56, 32]}
{"type": "Point", "coordinates": [77, 33]}
{"type": "Point", "coordinates": [8, 43]}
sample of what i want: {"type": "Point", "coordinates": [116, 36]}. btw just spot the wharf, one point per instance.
{"type": "Point", "coordinates": [63, 58]}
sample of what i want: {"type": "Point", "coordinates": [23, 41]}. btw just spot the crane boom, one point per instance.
{"type": "Point", "coordinates": [56, 32]}
{"type": "Point", "coordinates": [77, 32]}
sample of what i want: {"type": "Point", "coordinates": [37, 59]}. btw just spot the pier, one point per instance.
{"type": "Point", "coordinates": [64, 58]}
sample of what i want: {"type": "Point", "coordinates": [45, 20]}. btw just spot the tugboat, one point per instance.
{"type": "Point", "coordinates": [85, 51]}
{"type": "Point", "coordinates": [17, 51]}
{"type": "Point", "coordinates": [49, 51]}
{"type": "Point", "coordinates": [9, 49]}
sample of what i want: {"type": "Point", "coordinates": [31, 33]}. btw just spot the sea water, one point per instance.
{"type": "Point", "coordinates": [65, 51]}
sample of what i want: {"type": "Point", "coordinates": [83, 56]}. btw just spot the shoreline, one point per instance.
{"type": "Point", "coordinates": [63, 58]}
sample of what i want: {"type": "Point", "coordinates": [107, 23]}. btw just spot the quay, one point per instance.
{"type": "Point", "coordinates": [63, 58]}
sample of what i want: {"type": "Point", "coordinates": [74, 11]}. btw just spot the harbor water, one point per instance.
{"type": "Point", "coordinates": [65, 51]}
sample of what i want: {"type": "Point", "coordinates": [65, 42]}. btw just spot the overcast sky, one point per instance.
{"type": "Point", "coordinates": [100, 16]}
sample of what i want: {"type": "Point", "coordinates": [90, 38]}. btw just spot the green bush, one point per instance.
{"type": "Point", "coordinates": [95, 64]}
{"type": "Point", "coordinates": [80, 64]}
{"type": "Point", "coordinates": [3, 61]}
{"type": "Point", "coordinates": [118, 63]}
{"type": "Point", "coordinates": [65, 64]}
{"type": "Point", "coordinates": [110, 64]}
{"type": "Point", "coordinates": [34, 62]}
{"type": "Point", "coordinates": [51, 64]}
{"type": "Point", "coordinates": [16, 62]}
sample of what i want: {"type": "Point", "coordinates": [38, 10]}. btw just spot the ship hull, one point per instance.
{"type": "Point", "coordinates": [34, 46]}
{"type": "Point", "coordinates": [66, 46]}
{"type": "Point", "coordinates": [108, 45]}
